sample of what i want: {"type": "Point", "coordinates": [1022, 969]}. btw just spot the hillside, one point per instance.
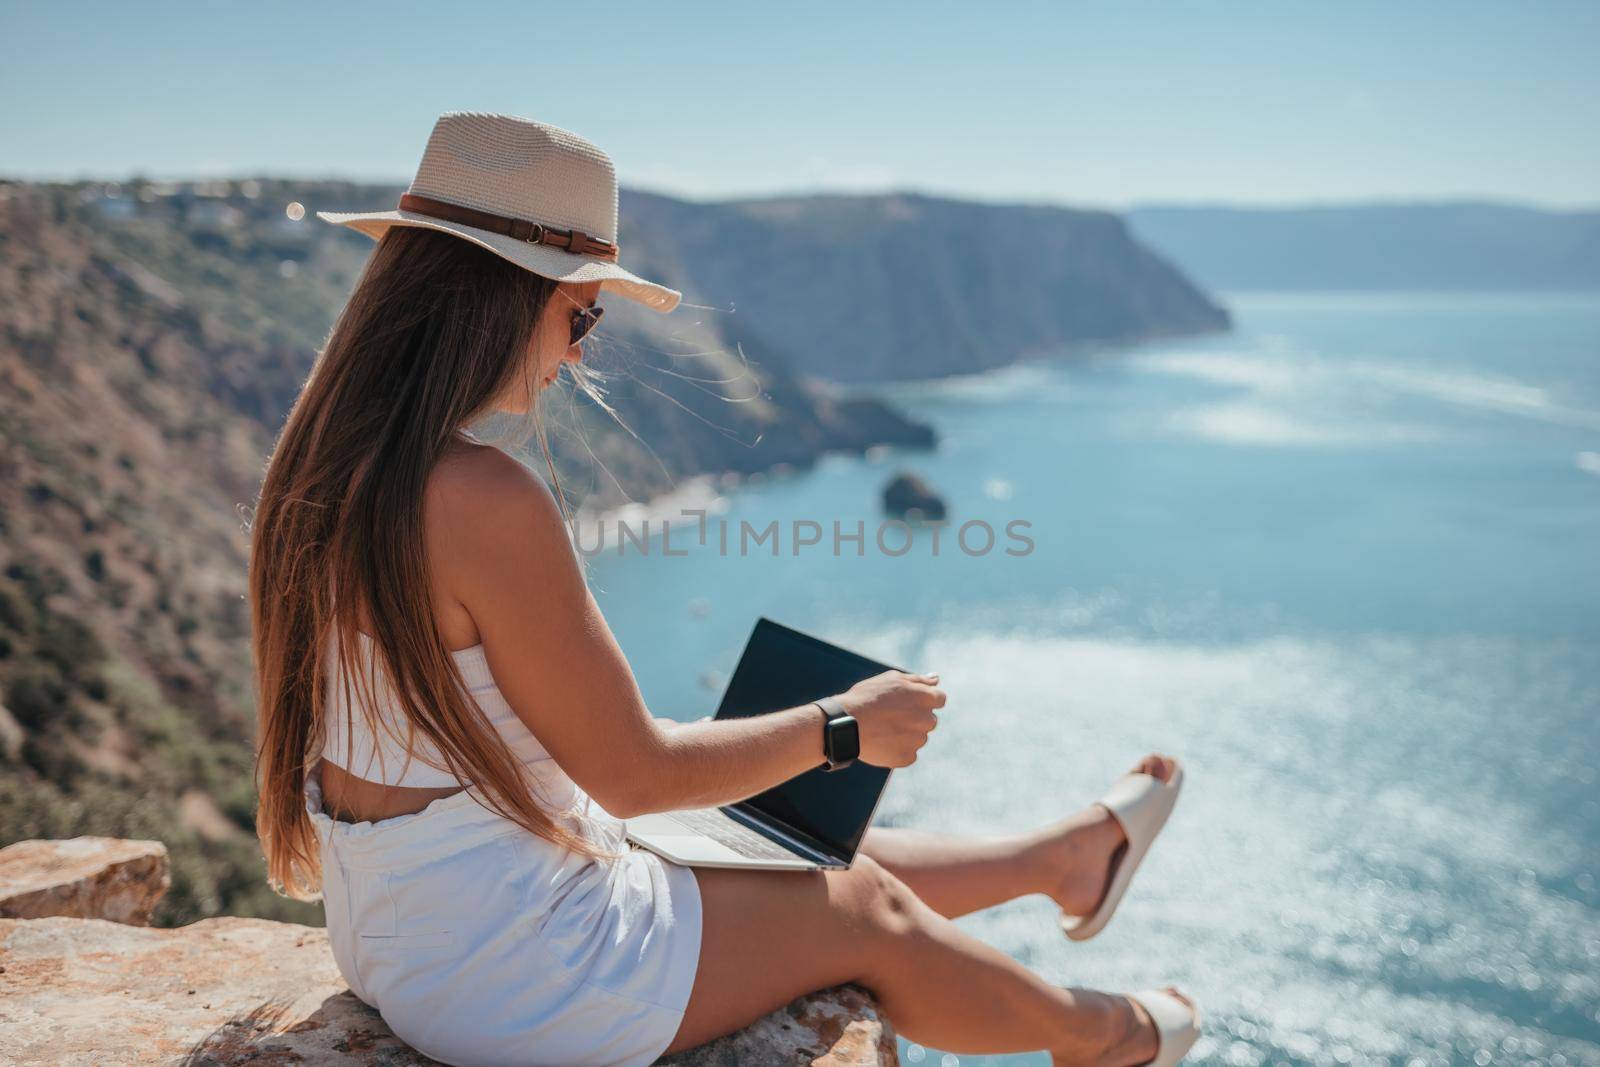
{"type": "Point", "coordinates": [1443, 246]}
{"type": "Point", "coordinates": [896, 286]}
{"type": "Point", "coordinates": [153, 337]}
{"type": "Point", "coordinates": [145, 365]}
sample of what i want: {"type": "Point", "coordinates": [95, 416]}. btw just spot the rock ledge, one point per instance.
{"type": "Point", "coordinates": [232, 991]}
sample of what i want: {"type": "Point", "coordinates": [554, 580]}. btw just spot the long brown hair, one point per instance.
{"type": "Point", "coordinates": [434, 330]}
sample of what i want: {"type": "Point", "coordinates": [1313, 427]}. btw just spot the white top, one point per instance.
{"type": "Point", "coordinates": [349, 743]}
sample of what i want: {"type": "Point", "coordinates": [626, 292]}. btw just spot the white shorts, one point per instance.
{"type": "Point", "coordinates": [480, 943]}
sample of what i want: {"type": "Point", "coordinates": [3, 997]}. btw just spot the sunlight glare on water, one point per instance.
{"type": "Point", "coordinates": [1342, 562]}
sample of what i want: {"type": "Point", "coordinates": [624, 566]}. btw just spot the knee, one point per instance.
{"type": "Point", "coordinates": [891, 906]}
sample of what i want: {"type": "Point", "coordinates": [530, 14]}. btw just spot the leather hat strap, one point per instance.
{"type": "Point", "coordinates": [574, 241]}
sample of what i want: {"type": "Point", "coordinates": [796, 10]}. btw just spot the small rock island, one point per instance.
{"type": "Point", "coordinates": [908, 497]}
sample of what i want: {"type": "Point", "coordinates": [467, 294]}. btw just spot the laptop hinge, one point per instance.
{"type": "Point", "coordinates": [776, 833]}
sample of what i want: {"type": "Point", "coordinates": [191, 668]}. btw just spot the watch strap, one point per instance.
{"type": "Point", "coordinates": [833, 709]}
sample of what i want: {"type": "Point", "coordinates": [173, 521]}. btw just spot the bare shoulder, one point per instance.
{"type": "Point", "coordinates": [484, 510]}
{"type": "Point", "coordinates": [479, 492]}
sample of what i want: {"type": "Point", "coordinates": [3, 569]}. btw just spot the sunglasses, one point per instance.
{"type": "Point", "coordinates": [584, 320]}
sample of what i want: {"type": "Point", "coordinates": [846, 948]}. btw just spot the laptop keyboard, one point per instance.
{"type": "Point", "coordinates": [725, 831]}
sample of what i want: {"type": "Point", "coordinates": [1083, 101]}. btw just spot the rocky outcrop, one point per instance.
{"type": "Point", "coordinates": [85, 878]}
{"type": "Point", "coordinates": [233, 991]}
{"type": "Point", "coordinates": [838, 1027]}
{"type": "Point", "coordinates": [220, 991]}
{"type": "Point", "coordinates": [907, 496]}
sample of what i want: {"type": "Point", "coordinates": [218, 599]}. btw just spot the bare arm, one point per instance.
{"type": "Point", "coordinates": [513, 568]}
{"type": "Point", "coordinates": [705, 757]}
{"type": "Point", "coordinates": [667, 724]}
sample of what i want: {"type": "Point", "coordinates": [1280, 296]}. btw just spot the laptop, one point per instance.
{"type": "Point", "coordinates": [815, 820]}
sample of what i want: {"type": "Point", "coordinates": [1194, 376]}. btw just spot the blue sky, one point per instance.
{"type": "Point", "coordinates": [1106, 103]}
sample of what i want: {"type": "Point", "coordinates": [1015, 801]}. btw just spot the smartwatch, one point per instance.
{"type": "Point", "coordinates": [841, 735]}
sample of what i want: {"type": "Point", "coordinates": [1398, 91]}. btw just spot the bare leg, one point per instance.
{"type": "Point", "coordinates": [770, 936]}
{"type": "Point", "coordinates": [1069, 860]}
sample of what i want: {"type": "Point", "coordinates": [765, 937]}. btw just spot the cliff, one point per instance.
{"type": "Point", "coordinates": [76, 988]}
{"type": "Point", "coordinates": [900, 285]}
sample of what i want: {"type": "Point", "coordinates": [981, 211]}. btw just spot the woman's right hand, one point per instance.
{"type": "Point", "coordinates": [894, 715]}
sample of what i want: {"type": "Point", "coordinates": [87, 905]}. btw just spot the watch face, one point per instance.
{"type": "Point", "coordinates": [844, 739]}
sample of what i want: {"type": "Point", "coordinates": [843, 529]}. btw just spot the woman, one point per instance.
{"type": "Point", "coordinates": [450, 736]}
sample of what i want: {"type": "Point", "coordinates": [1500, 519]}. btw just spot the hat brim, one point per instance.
{"type": "Point", "coordinates": [543, 260]}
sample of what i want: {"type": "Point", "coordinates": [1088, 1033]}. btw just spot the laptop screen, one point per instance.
{"type": "Point", "coordinates": [783, 668]}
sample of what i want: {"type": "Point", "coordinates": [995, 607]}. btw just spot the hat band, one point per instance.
{"type": "Point", "coordinates": [575, 241]}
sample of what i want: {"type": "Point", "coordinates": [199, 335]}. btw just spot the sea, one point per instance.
{"type": "Point", "coordinates": [1344, 561]}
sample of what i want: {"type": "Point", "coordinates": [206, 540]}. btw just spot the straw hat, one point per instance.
{"type": "Point", "coordinates": [535, 194]}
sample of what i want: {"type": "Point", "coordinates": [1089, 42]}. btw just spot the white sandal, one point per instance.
{"type": "Point", "coordinates": [1177, 1026]}
{"type": "Point", "coordinates": [1141, 803]}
